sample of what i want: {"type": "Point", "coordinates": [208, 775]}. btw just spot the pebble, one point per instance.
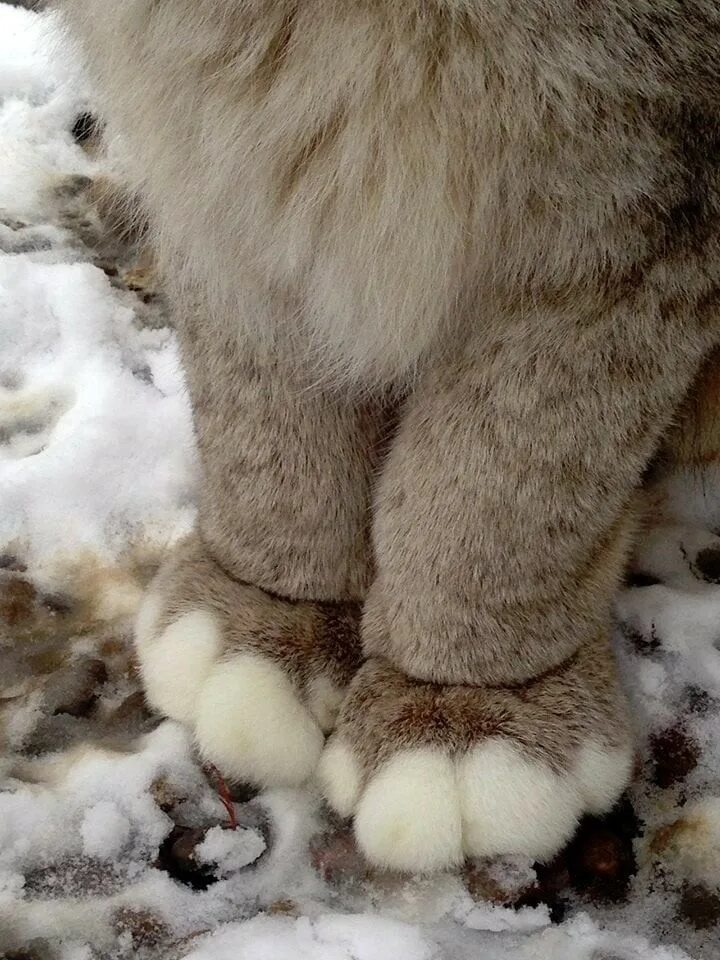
{"type": "Point", "coordinates": [17, 601]}
{"type": "Point", "coordinates": [75, 688]}
{"type": "Point", "coordinates": [700, 906]}
{"type": "Point", "coordinates": [144, 928]}
{"type": "Point", "coordinates": [177, 856]}
{"type": "Point", "coordinates": [674, 756]}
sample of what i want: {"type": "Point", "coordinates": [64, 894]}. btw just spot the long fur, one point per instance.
{"type": "Point", "coordinates": [372, 177]}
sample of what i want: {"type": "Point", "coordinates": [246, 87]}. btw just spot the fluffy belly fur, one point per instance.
{"type": "Point", "coordinates": [372, 178]}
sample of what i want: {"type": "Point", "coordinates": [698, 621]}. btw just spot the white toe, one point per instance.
{"type": "Point", "coordinates": [602, 774]}
{"type": "Point", "coordinates": [339, 777]}
{"type": "Point", "coordinates": [511, 804]}
{"type": "Point", "coordinates": [251, 724]}
{"type": "Point", "coordinates": [409, 816]}
{"type": "Point", "coordinates": [175, 664]}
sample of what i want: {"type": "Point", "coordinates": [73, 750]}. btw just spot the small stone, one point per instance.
{"type": "Point", "coordinates": [284, 908]}
{"type": "Point", "coordinates": [600, 858]}
{"type": "Point", "coordinates": [145, 929]}
{"type": "Point", "coordinates": [335, 856]}
{"type": "Point", "coordinates": [47, 661]}
{"type": "Point", "coordinates": [142, 280]}
{"type": "Point", "coordinates": [133, 710]}
{"type": "Point", "coordinates": [164, 794]}
{"type": "Point", "coordinates": [707, 562]}
{"type": "Point", "coordinates": [552, 888]}
{"type": "Point", "coordinates": [108, 268]}
{"type": "Point", "coordinates": [700, 906]}
{"type": "Point", "coordinates": [75, 689]}
{"type": "Point", "coordinates": [490, 881]}
{"type": "Point", "coordinates": [35, 950]}
{"type": "Point", "coordinates": [178, 857]}
{"type": "Point", "coordinates": [643, 643]}
{"type": "Point", "coordinates": [17, 601]}
{"type": "Point", "coordinates": [73, 876]}
{"type": "Point", "coordinates": [54, 603]}
{"type": "Point", "coordinates": [698, 701]}
{"type": "Point", "coordinates": [674, 756]}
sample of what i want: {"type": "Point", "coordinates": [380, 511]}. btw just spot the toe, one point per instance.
{"type": "Point", "coordinates": [252, 725]}
{"type": "Point", "coordinates": [511, 804]}
{"type": "Point", "coordinates": [339, 777]}
{"type": "Point", "coordinates": [409, 817]}
{"type": "Point", "coordinates": [175, 663]}
{"type": "Point", "coordinates": [602, 773]}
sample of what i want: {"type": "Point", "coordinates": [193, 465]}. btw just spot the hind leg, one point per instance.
{"type": "Point", "coordinates": [249, 634]}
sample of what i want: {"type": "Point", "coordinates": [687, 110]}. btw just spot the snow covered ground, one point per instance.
{"type": "Point", "coordinates": [113, 840]}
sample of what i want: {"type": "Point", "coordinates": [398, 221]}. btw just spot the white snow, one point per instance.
{"type": "Point", "coordinates": [231, 850]}
{"type": "Point", "coordinates": [96, 478]}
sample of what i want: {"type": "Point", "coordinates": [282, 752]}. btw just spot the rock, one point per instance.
{"type": "Point", "coordinates": [552, 888]}
{"type": "Point", "coordinates": [502, 881]}
{"type": "Point", "coordinates": [178, 857]}
{"type": "Point", "coordinates": [707, 562]}
{"type": "Point", "coordinates": [56, 604]}
{"type": "Point", "coordinates": [75, 876]}
{"type": "Point", "coordinates": [336, 857]}
{"type": "Point", "coordinates": [35, 950]}
{"type": "Point", "coordinates": [108, 268]}
{"type": "Point", "coordinates": [75, 688]}
{"type": "Point", "coordinates": [645, 644]}
{"type": "Point", "coordinates": [700, 906]}
{"type": "Point", "coordinates": [17, 601]}
{"type": "Point", "coordinates": [144, 928]}
{"type": "Point", "coordinates": [132, 717]}
{"type": "Point", "coordinates": [284, 908]}
{"type": "Point", "coordinates": [674, 756]}
{"type": "Point", "coordinates": [600, 858]}
{"type": "Point", "coordinates": [698, 701]}
{"type": "Point", "coordinates": [165, 795]}
{"type": "Point", "coordinates": [142, 280]}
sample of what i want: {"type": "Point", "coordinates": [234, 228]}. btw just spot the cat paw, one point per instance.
{"type": "Point", "coordinates": [258, 679]}
{"type": "Point", "coordinates": [433, 774]}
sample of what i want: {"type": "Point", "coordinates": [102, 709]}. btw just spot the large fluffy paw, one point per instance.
{"type": "Point", "coordinates": [258, 679]}
{"type": "Point", "coordinates": [433, 773]}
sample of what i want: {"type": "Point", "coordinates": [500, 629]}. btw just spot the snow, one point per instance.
{"type": "Point", "coordinates": [231, 850]}
{"type": "Point", "coordinates": [97, 475]}
{"type": "Point", "coordinates": [328, 938]}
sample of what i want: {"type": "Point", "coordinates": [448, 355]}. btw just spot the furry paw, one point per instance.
{"type": "Point", "coordinates": [258, 679]}
{"type": "Point", "coordinates": [435, 773]}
